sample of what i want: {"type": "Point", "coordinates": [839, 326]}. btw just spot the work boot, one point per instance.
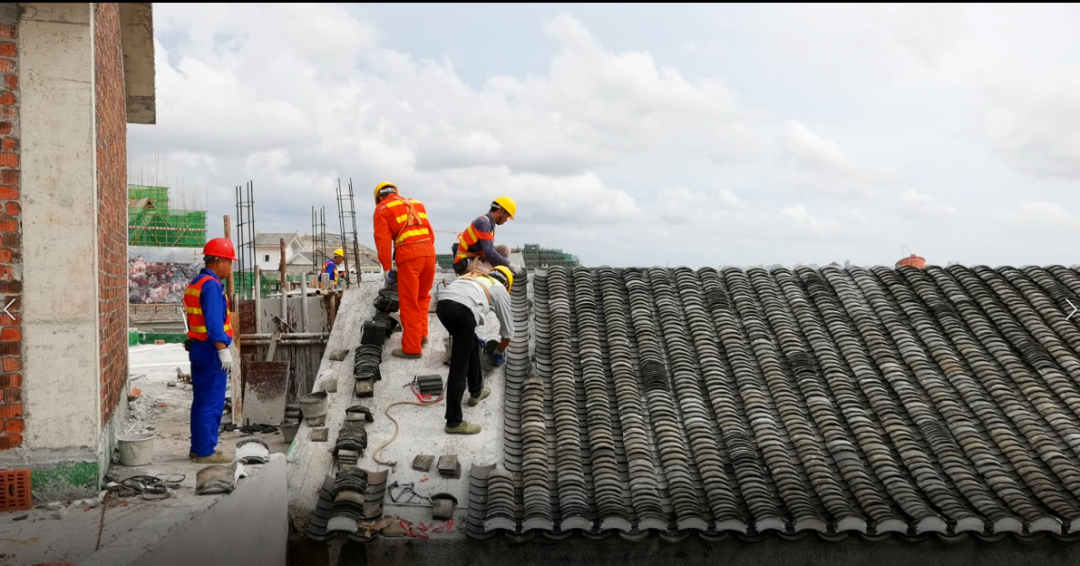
{"type": "Point", "coordinates": [191, 455]}
{"type": "Point", "coordinates": [463, 428]}
{"type": "Point", "coordinates": [215, 458]}
{"type": "Point", "coordinates": [474, 401]}
{"type": "Point", "coordinates": [423, 341]}
{"type": "Point", "coordinates": [399, 353]}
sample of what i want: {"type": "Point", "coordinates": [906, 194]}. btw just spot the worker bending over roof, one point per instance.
{"type": "Point", "coordinates": [463, 305]}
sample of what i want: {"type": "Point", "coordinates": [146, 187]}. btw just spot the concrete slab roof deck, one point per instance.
{"type": "Point", "coordinates": [421, 429]}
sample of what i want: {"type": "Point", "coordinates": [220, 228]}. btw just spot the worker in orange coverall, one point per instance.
{"type": "Point", "coordinates": [402, 223]}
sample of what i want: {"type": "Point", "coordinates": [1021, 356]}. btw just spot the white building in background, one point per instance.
{"type": "Point", "coordinates": [268, 252]}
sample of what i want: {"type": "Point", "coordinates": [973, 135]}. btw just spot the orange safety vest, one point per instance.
{"type": "Point", "coordinates": [193, 310]}
{"type": "Point", "coordinates": [469, 238]}
{"type": "Point", "coordinates": [412, 227]}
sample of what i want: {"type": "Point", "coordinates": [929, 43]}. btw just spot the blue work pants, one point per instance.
{"type": "Point", "coordinates": [208, 383]}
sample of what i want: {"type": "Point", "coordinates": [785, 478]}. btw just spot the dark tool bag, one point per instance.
{"type": "Point", "coordinates": [387, 301]}
{"type": "Point", "coordinates": [374, 332]}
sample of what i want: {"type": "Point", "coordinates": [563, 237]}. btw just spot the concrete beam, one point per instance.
{"type": "Point", "coordinates": [60, 311]}
{"type": "Point", "coordinates": [137, 39]}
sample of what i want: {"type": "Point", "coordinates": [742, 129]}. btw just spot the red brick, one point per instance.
{"type": "Point", "coordinates": [8, 49]}
{"type": "Point", "coordinates": [12, 364]}
{"type": "Point", "coordinates": [8, 159]}
{"type": "Point", "coordinates": [11, 411]}
{"type": "Point", "coordinates": [10, 335]}
{"type": "Point", "coordinates": [13, 209]}
{"type": "Point", "coordinates": [8, 193]}
{"type": "Point", "coordinates": [9, 177]}
{"type": "Point", "coordinates": [9, 32]}
{"type": "Point", "coordinates": [7, 99]}
{"type": "Point", "coordinates": [12, 81]}
{"type": "Point", "coordinates": [14, 426]}
{"type": "Point", "coordinates": [11, 144]}
{"type": "Point", "coordinates": [5, 128]}
{"type": "Point", "coordinates": [12, 441]}
{"type": "Point", "coordinates": [11, 348]}
{"type": "Point", "coordinates": [8, 112]}
{"type": "Point", "coordinates": [11, 380]}
{"type": "Point", "coordinates": [12, 241]}
{"type": "Point", "coordinates": [8, 224]}
{"type": "Point", "coordinates": [6, 65]}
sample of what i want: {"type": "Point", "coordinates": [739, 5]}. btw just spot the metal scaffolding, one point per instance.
{"type": "Point", "coordinates": [152, 223]}
{"type": "Point", "coordinates": [245, 236]}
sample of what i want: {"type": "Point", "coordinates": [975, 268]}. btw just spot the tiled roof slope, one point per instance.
{"type": "Point", "coordinates": [881, 402]}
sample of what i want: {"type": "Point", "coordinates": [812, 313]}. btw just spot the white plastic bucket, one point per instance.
{"type": "Point", "coordinates": [136, 449]}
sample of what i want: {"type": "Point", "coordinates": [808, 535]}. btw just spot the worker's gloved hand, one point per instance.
{"type": "Point", "coordinates": [225, 356]}
{"type": "Point", "coordinates": [480, 343]}
{"type": "Point", "coordinates": [391, 277]}
{"type": "Point", "coordinates": [498, 357]}
{"type": "Point", "coordinates": [515, 268]}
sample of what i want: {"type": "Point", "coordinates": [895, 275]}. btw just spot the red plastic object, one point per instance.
{"type": "Point", "coordinates": [912, 261]}
{"type": "Point", "coordinates": [15, 491]}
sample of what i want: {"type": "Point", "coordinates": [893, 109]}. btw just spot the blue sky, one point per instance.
{"type": "Point", "coordinates": [643, 134]}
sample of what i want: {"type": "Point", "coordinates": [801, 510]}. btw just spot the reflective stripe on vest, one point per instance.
{"type": "Point", "coordinates": [193, 311]}
{"type": "Point", "coordinates": [411, 226]}
{"type": "Point", "coordinates": [469, 238]}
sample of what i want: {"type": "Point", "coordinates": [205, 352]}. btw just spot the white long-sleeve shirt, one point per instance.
{"type": "Point", "coordinates": [471, 294]}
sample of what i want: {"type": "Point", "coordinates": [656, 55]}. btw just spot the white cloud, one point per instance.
{"type": "Point", "coordinates": [1029, 120]}
{"type": "Point", "coordinates": [715, 148]}
{"type": "Point", "coordinates": [914, 204]}
{"type": "Point", "coordinates": [1038, 216]}
{"type": "Point", "coordinates": [821, 167]}
{"type": "Point", "coordinates": [880, 42]}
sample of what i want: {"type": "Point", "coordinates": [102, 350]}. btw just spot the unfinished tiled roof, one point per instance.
{"type": "Point", "coordinates": [835, 401]}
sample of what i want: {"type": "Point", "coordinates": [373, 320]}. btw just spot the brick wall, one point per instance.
{"type": "Point", "coordinates": [11, 409]}
{"type": "Point", "coordinates": [111, 114]}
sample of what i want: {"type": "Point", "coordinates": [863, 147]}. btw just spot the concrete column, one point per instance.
{"type": "Point", "coordinates": [60, 301]}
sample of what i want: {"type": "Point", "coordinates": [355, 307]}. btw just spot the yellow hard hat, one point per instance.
{"type": "Point", "coordinates": [339, 252]}
{"type": "Point", "coordinates": [382, 186]}
{"type": "Point", "coordinates": [506, 273]}
{"type": "Point", "coordinates": [508, 205]}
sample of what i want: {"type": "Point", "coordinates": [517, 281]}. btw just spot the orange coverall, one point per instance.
{"type": "Point", "coordinates": [401, 224]}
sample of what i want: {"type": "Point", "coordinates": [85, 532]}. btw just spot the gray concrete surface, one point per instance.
{"type": "Point", "coordinates": [183, 529]}
{"type": "Point", "coordinates": [249, 526]}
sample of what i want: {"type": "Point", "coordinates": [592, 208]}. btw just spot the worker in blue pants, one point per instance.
{"type": "Point", "coordinates": [209, 336]}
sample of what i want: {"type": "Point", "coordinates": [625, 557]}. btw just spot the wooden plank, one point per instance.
{"type": "Point", "coordinates": [273, 346]}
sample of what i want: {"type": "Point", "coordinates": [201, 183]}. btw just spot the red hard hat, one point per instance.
{"type": "Point", "coordinates": [220, 247]}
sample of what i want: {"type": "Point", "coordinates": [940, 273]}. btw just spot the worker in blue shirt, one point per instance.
{"type": "Point", "coordinates": [210, 334]}
{"type": "Point", "coordinates": [333, 269]}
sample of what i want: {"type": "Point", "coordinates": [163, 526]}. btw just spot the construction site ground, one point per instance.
{"type": "Point", "coordinates": [66, 531]}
